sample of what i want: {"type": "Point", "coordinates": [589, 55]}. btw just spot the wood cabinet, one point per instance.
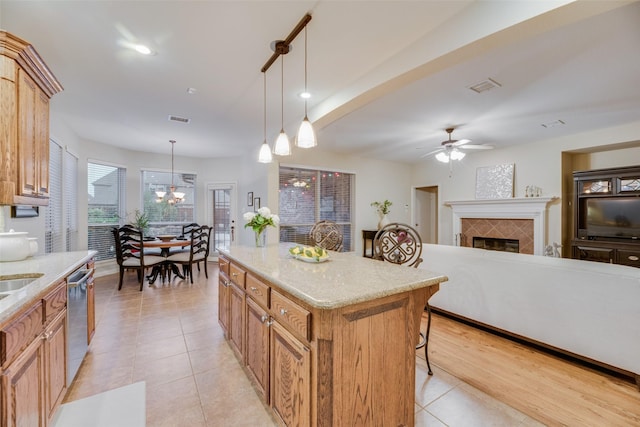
{"type": "Point", "coordinates": [607, 216]}
{"type": "Point", "coordinates": [34, 356]}
{"type": "Point", "coordinates": [26, 84]}
{"type": "Point", "coordinates": [349, 365]}
{"type": "Point", "coordinates": [91, 302]}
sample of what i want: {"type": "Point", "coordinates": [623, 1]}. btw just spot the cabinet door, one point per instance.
{"type": "Point", "coordinates": [290, 378]}
{"type": "Point", "coordinates": [27, 92]}
{"type": "Point", "coordinates": [23, 389]}
{"type": "Point", "coordinates": [257, 347]}
{"type": "Point", "coordinates": [41, 122]}
{"type": "Point", "coordinates": [55, 356]}
{"type": "Point", "coordinates": [236, 319]}
{"type": "Point", "coordinates": [223, 304]}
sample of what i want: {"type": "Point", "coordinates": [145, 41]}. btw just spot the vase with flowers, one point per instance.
{"type": "Point", "coordinates": [383, 209]}
{"type": "Point", "coordinates": [259, 221]}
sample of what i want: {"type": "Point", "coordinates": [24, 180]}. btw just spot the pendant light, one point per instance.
{"type": "Point", "coordinates": [174, 196]}
{"type": "Point", "coordinates": [265, 152]}
{"type": "Point", "coordinates": [282, 146]}
{"type": "Point", "coordinates": [306, 137]}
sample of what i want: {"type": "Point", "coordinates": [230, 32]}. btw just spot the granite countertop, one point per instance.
{"type": "Point", "coordinates": [53, 267]}
{"type": "Point", "coordinates": [344, 279]}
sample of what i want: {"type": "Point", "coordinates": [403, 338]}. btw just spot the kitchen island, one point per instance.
{"type": "Point", "coordinates": [329, 343]}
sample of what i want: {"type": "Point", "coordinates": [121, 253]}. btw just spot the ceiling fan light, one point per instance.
{"type": "Point", "coordinates": [442, 157]}
{"type": "Point", "coordinates": [265, 153]}
{"type": "Point", "coordinates": [457, 155]}
{"type": "Point", "coordinates": [282, 146]}
{"type": "Point", "coordinates": [306, 137]}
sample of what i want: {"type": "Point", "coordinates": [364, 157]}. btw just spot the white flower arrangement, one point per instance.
{"type": "Point", "coordinates": [261, 219]}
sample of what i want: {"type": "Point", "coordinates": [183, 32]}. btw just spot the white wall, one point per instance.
{"type": "Point", "coordinates": [538, 164]}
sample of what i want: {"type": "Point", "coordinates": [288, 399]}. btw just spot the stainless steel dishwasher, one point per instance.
{"type": "Point", "coordinates": [77, 339]}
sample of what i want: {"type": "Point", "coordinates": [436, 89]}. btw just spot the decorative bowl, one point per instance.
{"type": "Point", "coordinates": [166, 237]}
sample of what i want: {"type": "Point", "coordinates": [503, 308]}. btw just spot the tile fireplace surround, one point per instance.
{"type": "Point", "coordinates": [523, 219]}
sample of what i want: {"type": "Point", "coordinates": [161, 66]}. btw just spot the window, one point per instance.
{"type": "Point", "coordinates": [71, 200]}
{"type": "Point", "coordinates": [106, 209]}
{"type": "Point", "coordinates": [53, 241]}
{"type": "Point", "coordinates": [307, 196]}
{"type": "Point", "coordinates": [164, 217]}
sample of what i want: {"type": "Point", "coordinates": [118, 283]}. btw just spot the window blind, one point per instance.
{"type": "Point", "coordinates": [106, 206]}
{"type": "Point", "coordinates": [71, 200]}
{"type": "Point", "coordinates": [53, 237]}
{"type": "Point", "coordinates": [308, 196]}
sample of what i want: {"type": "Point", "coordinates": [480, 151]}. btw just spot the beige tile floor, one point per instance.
{"type": "Point", "coordinates": [168, 336]}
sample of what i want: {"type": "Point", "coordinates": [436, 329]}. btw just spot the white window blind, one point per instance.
{"type": "Point", "coordinates": [106, 206]}
{"type": "Point", "coordinates": [71, 200]}
{"type": "Point", "coordinates": [307, 196]}
{"type": "Point", "coordinates": [53, 237]}
{"type": "Point", "coordinates": [165, 218]}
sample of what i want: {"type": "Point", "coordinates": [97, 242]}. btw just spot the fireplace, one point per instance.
{"type": "Point", "coordinates": [522, 219]}
{"type": "Point", "coordinates": [496, 244]}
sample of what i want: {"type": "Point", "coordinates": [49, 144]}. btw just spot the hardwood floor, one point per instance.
{"type": "Point", "coordinates": [547, 388]}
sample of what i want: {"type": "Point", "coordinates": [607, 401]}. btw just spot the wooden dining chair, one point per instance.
{"type": "Point", "coordinates": [198, 252]}
{"type": "Point", "coordinates": [401, 244]}
{"type": "Point", "coordinates": [327, 235]}
{"type": "Point", "coordinates": [130, 252]}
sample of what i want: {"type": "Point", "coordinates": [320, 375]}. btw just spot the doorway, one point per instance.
{"type": "Point", "coordinates": [425, 213]}
{"type": "Point", "coordinates": [221, 212]}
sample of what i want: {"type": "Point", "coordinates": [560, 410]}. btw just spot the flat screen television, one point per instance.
{"type": "Point", "coordinates": [617, 217]}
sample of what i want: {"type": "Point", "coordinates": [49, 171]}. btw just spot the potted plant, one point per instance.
{"type": "Point", "coordinates": [383, 209]}
{"type": "Point", "coordinates": [141, 220]}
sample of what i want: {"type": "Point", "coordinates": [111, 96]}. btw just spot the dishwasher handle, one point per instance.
{"type": "Point", "coordinates": [79, 278]}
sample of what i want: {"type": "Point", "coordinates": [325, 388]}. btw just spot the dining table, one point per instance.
{"type": "Point", "coordinates": [166, 267]}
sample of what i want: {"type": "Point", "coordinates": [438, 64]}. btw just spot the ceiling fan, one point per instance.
{"type": "Point", "coordinates": [451, 148]}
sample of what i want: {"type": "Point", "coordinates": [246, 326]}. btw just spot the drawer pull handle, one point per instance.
{"type": "Point", "coordinates": [234, 274]}
{"type": "Point", "coordinates": [264, 318]}
{"type": "Point", "coordinates": [283, 311]}
{"type": "Point", "coordinates": [633, 258]}
{"type": "Point", "coordinates": [254, 289]}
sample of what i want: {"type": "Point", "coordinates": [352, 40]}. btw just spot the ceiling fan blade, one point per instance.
{"type": "Point", "coordinates": [431, 153]}
{"type": "Point", "coordinates": [459, 142]}
{"type": "Point", "coordinates": [477, 147]}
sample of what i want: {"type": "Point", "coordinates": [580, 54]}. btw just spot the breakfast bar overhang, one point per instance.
{"type": "Point", "coordinates": [338, 337]}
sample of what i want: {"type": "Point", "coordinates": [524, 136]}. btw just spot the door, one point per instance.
{"type": "Point", "coordinates": [425, 213]}
{"type": "Point", "coordinates": [222, 212]}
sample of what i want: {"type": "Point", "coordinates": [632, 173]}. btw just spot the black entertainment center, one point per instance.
{"type": "Point", "coordinates": [607, 216]}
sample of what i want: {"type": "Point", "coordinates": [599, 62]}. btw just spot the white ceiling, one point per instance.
{"type": "Point", "coordinates": [387, 76]}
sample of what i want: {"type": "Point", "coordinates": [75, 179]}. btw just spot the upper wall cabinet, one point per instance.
{"type": "Point", "coordinates": [26, 86]}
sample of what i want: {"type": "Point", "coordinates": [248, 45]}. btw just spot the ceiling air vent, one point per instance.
{"type": "Point", "coordinates": [178, 119]}
{"type": "Point", "coordinates": [484, 85]}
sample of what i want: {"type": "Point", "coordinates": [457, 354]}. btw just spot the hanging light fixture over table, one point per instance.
{"type": "Point", "coordinates": [282, 147]}
{"type": "Point", "coordinates": [174, 196]}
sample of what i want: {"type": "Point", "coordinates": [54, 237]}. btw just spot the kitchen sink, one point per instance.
{"type": "Point", "coordinates": [14, 284]}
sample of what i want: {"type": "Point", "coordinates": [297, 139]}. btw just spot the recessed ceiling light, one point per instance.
{"type": "Point", "coordinates": [140, 48]}
{"type": "Point", "coordinates": [305, 95]}
{"type": "Point", "coordinates": [191, 90]}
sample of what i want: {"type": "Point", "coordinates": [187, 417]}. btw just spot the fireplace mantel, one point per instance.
{"type": "Point", "coordinates": [534, 208]}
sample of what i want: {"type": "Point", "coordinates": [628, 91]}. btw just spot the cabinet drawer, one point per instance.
{"type": "Point", "coordinates": [258, 291]}
{"type": "Point", "coordinates": [237, 275]}
{"type": "Point", "coordinates": [19, 333]}
{"type": "Point", "coordinates": [54, 302]}
{"type": "Point", "coordinates": [631, 258]}
{"type": "Point", "coordinates": [291, 314]}
{"type": "Point", "coordinates": [223, 265]}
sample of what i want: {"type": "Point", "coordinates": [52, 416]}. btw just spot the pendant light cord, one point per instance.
{"type": "Point", "coordinates": [282, 92]}
{"type": "Point", "coordinates": [305, 71]}
{"type": "Point", "coordinates": [264, 99]}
